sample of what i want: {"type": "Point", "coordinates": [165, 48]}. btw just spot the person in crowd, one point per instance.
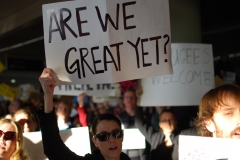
{"type": "Point", "coordinates": [63, 112]}
{"type": "Point", "coordinates": [13, 107]}
{"type": "Point", "coordinates": [163, 141]}
{"type": "Point", "coordinates": [86, 109]}
{"type": "Point", "coordinates": [127, 118]}
{"type": "Point", "coordinates": [101, 108]}
{"type": "Point", "coordinates": [106, 128]}
{"type": "Point", "coordinates": [219, 113]}
{"type": "Point", "coordinates": [26, 120]}
{"type": "Point", "coordinates": [11, 141]}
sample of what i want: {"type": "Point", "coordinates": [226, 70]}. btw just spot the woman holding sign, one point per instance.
{"type": "Point", "coordinates": [106, 129]}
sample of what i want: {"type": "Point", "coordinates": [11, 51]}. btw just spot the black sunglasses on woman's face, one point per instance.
{"type": "Point", "coordinates": [105, 136]}
{"type": "Point", "coordinates": [9, 135]}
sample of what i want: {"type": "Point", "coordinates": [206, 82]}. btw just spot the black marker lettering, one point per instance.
{"type": "Point", "coordinates": [105, 50]}
{"type": "Point", "coordinates": [53, 15]}
{"type": "Point", "coordinates": [127, 17]}
{"type": "Point", "coordinates": [107, 17]}
{"type": "Point", "coordinates": [136, 49]}
{"type": "Point", "coordinates": [97, 61]}
{"type": "Point", "coordinates": [118, 53]}
{"type": "Point", "coordinates": [157, 47]}
{"type": "Point", "coordinates": [84, 61]}
{"type": "Point", "coordinates": [144, 53]}
{"type": "Point", "coordinates": [76, 62]}
{"type": "Point", "coordinates": [79, 22]}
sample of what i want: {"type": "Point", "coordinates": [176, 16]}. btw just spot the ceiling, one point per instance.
{"type": "Point", "coordinates": [220, 25]}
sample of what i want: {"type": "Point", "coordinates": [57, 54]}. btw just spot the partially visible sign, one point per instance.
{"type": "Point", "coordinates": [76, 139]}
{"type": "Point", "coordinates": [208, 148]}
{"type": "Point", "coordinates": [89, 89]}
{"type": "Point", "coordinates": [193, 77]}
{"type": "Point", "coordinates": [8, 91]}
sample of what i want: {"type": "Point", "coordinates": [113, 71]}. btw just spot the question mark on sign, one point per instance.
{"type": "Point", "coordinates": [165, 50]}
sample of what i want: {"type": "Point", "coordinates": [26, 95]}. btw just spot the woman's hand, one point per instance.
{"type": "Point", "coordinates": [81, 98]}
{"type": "Point", "coordinates": [48, 83]}
{"type": "Point", "coordinates": [139, 93]}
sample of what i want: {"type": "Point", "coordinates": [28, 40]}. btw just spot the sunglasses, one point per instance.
{"type": "Point", "coordinates": [105, 136]}
{"type": "Point", "coordinates": [9, 135]}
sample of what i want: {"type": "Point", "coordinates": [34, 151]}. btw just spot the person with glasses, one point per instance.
{"type": "Point", "coordinates": [11, 141]}
{"type": "Point", "coordinates": [106, 129]}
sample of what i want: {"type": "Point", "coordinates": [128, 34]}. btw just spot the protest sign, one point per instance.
{"type": "Point", "coordinates": [77, 140]}
{"type": "Point", "coordinates": [193, 77]}
{"type": "Point", "coordinates": [101, 41]}
{"type": "Point", "coordinates": [115, 98]}
{"type": "Point", "coordinates": [78, 144]}
{"type": "Point", "coordinates": [208, 148]}
{"type": "Point", "coordinates": [89, 89]}
{"type": "Point", "coordinates": [8, 91]}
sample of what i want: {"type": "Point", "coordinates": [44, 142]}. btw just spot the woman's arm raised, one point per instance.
{"type": "Point", "coordinates": [48, 83]}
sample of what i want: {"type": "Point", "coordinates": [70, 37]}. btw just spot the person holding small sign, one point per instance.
{"type": "Point", "coordinates": [106, 129]}
{"type": "Point", "coordinates": [163, 141]}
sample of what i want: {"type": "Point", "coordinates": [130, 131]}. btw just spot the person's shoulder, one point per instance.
{"type": "Point", "coordinates": [124, 156]}
{"type": "Point", "coordinates": [190, 131]}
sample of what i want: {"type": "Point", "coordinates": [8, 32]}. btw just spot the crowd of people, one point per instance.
{"type": "Point", "coordinates": [218, 115]}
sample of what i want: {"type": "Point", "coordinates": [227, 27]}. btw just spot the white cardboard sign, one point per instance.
{"type": "Point", "coordinates": [102, 41]}
{"type": "Point", "coordinates": [208, 148]}
{"type": "Point", "coordinates": [78, 144]}
{"type": "Point", "coordinates": [193, 76]}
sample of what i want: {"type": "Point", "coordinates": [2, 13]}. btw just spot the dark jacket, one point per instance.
{"type": "Point", "coordinates": [54, 148]}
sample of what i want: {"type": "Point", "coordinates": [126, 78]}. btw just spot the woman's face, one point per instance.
{"type": "Point", "coordinates": [111, 148]}
{"type": "Point", "coordinates": [62, 110]}
{"type": "Point", "coordinates": [13, 107]}
{"type": "Point", "coordinates": [26, 122]}
{"type": "Point", "coordinates": [167, 122]}
{"type": "Point", "coordinates": [7, 147]}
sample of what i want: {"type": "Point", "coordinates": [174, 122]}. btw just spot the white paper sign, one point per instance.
{"type": "Point", "coordinates": [193, 77]}
{"type": "Point", "coordinates": [208, 148]}
{"type": "Point", "coordinates": [91, 90]}
{"type": "Point", "coordinates": [133, 139]}
{"type": "Point", "coordinates": [102, 41]}
{"type": "Point", "coordinates": [78, 144]}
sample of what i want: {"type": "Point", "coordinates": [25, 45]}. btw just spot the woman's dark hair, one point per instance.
{"type": "Point", "coordinates": [101, 117]}
{"type": "Point", "coordinates": [167, 111]}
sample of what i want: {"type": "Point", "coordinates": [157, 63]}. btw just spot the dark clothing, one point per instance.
{"type": "Point", "coordinates": [55, 149]}
{"type": "Point", "coordinates": [156, 139]}
{"type": "Point", "coordinates": [127, 121]}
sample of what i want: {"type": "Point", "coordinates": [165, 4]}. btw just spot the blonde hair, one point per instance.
{"type": "Point", "coordinates": [19, 152]}
{"type": "Point", "coordinates": [211, 102]}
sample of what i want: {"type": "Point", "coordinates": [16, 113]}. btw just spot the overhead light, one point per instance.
{"type": "Point", "coordinates": [13, 81]}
